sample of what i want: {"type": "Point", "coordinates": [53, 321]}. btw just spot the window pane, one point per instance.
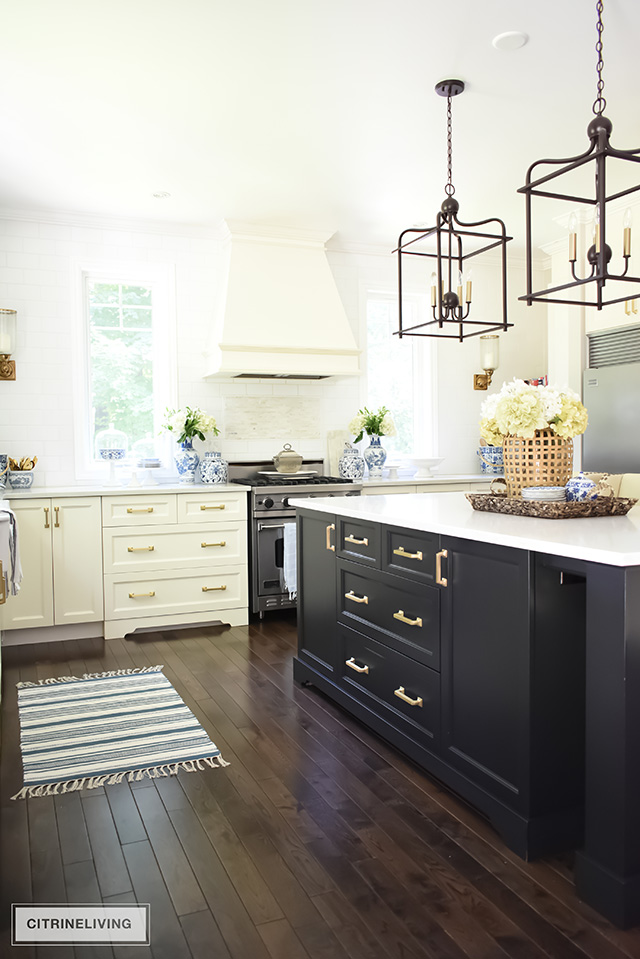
{"type": "Point", "coordinates": [138, 317]}
{"type": "Point", "coordinates": [136, 295]}
{"type": "Point", "coordinates": [103, 293]}
{"type": "Point", "coordinates": [390, 372]}
{"type": "Point", "coordinates": [105, 316]}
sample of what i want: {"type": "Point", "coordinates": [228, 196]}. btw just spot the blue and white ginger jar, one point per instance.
{"type": "Point", "coordinates": [213, 469]}
{"type": "Point", "coordinates": [186, 460]}
{"type": "Point", "coordinates": [491, 460]}
{"type": "Point", "coordinates": [351, 463]}
{"type": "Point", "coordinates": [580, 488]}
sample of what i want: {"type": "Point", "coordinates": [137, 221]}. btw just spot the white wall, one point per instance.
{"type": "Point", "coordinates": [37, 257]}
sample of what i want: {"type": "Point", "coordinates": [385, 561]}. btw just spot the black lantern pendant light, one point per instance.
{"type": "Point", "coordinates": [599, 255]}
{"type": "Point", "coordinates": [451, 243]}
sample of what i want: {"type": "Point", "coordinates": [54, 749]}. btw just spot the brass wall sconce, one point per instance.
{"type": "Point", "coordinates": [7, 344]}
{"type": "Point", "coordinates": [489, 360]}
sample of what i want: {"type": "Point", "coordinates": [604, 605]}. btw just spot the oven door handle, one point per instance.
{"type": "Point", "coordinates": [274, 526]}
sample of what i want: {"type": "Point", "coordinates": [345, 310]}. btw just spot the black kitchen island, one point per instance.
{"type": "Point", "coordinates": [502, 654]}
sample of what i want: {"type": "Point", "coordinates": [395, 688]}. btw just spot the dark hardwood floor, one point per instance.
{"type": "Point", "coordinates": [317, 842]}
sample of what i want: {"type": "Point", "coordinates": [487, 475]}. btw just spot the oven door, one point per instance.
{"type": "Point", "coordinates": [268, 562]}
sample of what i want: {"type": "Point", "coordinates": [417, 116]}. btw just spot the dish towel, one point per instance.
{"type": "Point", "coordinates": [289, 570]}
{"type": "Point", "coordinates": [9, 552]}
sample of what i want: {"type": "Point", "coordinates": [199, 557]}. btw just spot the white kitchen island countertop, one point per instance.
{"type": "Point", "coordinates": [611, 540]}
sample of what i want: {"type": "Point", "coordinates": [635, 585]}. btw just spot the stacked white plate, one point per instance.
{"type": "Point", "coordinates": [545, 494]}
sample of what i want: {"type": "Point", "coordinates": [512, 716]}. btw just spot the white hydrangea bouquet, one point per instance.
{"type": "Point", "coordinates": [373, 424]}
{"type": "Point", "coordinates": [520, 409]}
{"type": "Point", "coordinates": [187, 423]}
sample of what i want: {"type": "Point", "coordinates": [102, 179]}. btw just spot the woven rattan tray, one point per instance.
{"type": "Point", "coordinates": [515, 506]}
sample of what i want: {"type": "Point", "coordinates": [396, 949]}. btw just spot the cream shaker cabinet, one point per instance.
{"type": "Point", "coordinates": [60, 544]}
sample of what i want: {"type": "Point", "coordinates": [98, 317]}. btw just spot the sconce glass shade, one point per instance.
{"type": "Point", "coordinates": [489, 352]}
{"type": "Point", "coordinates": [7, 332]}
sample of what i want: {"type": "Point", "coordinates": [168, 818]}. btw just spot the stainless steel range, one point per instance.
{"type": "Point", "coordinates": [270, 512]}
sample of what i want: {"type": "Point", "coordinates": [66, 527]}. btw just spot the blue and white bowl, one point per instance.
{"type": "Point", "coordinates": [581, 488]}
{"type": "Point", "coordinates": [112, 454]}
{"type": "Point", "coordinates": [20, 479]}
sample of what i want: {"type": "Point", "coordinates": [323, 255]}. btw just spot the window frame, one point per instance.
{"type": "Point", "coordinates": [160, 277]}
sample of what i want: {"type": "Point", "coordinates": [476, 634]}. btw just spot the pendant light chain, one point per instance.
{"type": "Point", "coordinates": [599, 104]}
{"type": "Point", "coordinates": [449, 188]}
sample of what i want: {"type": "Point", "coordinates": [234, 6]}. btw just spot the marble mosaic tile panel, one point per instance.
{"type": "Point", "coordinates": [276, 417]}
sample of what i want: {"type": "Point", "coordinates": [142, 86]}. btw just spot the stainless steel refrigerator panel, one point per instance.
{"type": "Point", "coordinates": [611, 442]}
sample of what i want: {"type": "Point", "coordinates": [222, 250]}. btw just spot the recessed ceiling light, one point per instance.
{"type": "Point", "coordinates": [161, 196]}
{"type": "Point", "coordinates": [511, 40]}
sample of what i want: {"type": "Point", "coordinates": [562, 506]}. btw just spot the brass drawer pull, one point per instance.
{"type": "Point", "coordinates": [47, 524]}
{"type": "Point", "coordinates": [401, 551]}
{"type": "Point", "coordinates": [356, 599]}
{"type": "Point", "coordinates": [135, 595]}
{"type": "Point", "coordinates": [222, 542]}
{"type": "Point", "coordinates": [328, 540]}
{"type": "Point", "coordinates": [353, 665]}
{"type": "Point", "coordinates": [440, 580]}
{"type": "Point", "coordinates": [221, 506]}
{"type": "Point", "coordinates": [208, 589]}
{"type": "Point", "coordinates": [400, 693]}
{"type": "Point", "coordinates": [138, 549]}
{"type": "Point", "coordinates": [145, 509]}
{"type": "Point", "coordinates": [56, 510]}
{"type": "Point", "coordinates": [405, 619]}
{"type": "Point", "coordinates": [359, 542]}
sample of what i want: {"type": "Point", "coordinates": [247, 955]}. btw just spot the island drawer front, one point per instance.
{"type": "Point", "coordinates": [358, 541]}
{"type": "Point", "coordinates": [382, 677]}
{"type": "Point", "coordinates": [164, 547]}
{"type": "Point", "coordinates": [410, 553]}
{"type": "Point", "coordinates": [212, 507]}
{"type": "Point", "coordinates": [165, 592]}
{"type": "Point", "coordinates": [154, 509]}
{"type": "Point", "coordinates": [404, 615]}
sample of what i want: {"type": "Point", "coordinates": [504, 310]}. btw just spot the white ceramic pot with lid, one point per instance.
{"type": "Point", "coordinates": [287, 460]}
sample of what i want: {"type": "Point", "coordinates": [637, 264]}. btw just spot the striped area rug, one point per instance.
{"type": "Point", "coordinates": [80, 733]}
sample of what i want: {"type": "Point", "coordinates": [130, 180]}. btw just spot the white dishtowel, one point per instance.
{"type": "Point", "coordinates": [9, 552]}
{"type": "Point", "coordinates": [289, 569]}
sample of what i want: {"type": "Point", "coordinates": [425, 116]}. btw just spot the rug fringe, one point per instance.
{"type": "Point", "coordinates": [112, 779]}
{"type": "Point", "coordinates": [78, 679]}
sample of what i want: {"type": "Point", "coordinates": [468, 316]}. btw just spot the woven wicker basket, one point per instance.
{"type": "Point", "coordinates": [545, 460]}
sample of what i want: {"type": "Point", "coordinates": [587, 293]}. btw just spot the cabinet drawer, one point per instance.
{"type": "Point", "coordinates": [358, 541]}
{"type": "Point", "coordinates": [406, 688]}
{"type": "Point", "coordinates": [171, 592]}
{"type": "Point", "coordinates": [164, 547]}
{"type": "Point", "coordinates": [154, 509]}
{"type": "Point", "coordinates": [409, 553]}
{"type": "Point", "coordinates": [406, 616]}
{"type": "Point", "coordinates": [206, 507]}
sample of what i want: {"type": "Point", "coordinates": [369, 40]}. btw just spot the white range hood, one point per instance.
{"type": "Point", "coordinates": [280, 313]}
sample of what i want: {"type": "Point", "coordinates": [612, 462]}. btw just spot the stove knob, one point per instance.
{"type": "Point", "coordinates": [268, 502]}
{"type": "Point", "coordinates": [285, 501]}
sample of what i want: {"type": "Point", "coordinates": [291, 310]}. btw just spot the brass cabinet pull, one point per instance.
{"type": "Point", "coordinates": [138, 549]}
{"type": "Point", "coordinates": [353, 665]}
{"type": "Point", "coordinates": [400, 693]}
{"type": "Point", "coordinates": [328, 540]}
{"type": "Point", "coordinates": [47, 524]}
{"type": "Point", "coordinates": [222, 542]}
{"type": "Point", "coordinates": [145, 509]}
{"type": "Point", "coordinates": [221, 506]}
{"type": "Point", "coordinates": [359, 542]}
{"type": "Point", "coordinates": [56, 510]}
{"type": "Point", "coordinates": [440, 580]}
{"type": "Point", "coordinates": [208, 589]}
{"type": "Point", "coordinates": [405, 619]}
{"type": "Point", "coordinates": [401, 551]}
{"type": "Point", "coordinates": [135, 595]}
{"type": "Point", "coordinates": [356, 599]}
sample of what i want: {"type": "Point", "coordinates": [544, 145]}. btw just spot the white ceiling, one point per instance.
{"type": "Point", "coordinates": [317, 114]}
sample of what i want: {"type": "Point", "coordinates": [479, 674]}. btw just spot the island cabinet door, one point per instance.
{"type": "Point", "coordinates": [317, 632]}
{"type": "Point", "coordinates": [485, 651]}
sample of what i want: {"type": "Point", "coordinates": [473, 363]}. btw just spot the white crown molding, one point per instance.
{"type": "Point", "coordinates": [125, 224]}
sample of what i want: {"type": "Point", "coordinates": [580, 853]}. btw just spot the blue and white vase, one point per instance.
{"type": "Point", "coordinates": [351, 463]}
{"type": "Point", "coordinates": [491, 458]}
{"type": "Point", "coordinates": [186, 461]}
{"type": "Point", "coordinates": [213, 469]}
{"type": "Point", "coordinates": [375, 456]}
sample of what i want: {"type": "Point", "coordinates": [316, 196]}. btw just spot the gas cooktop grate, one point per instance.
{"type": "Point", "coordinates": [290, 481]}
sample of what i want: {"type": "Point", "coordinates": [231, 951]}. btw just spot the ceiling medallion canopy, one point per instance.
{"type": "Point", "coordinates": [591, 276]}
{"type": "Point", "coordinates": [449, 245]}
